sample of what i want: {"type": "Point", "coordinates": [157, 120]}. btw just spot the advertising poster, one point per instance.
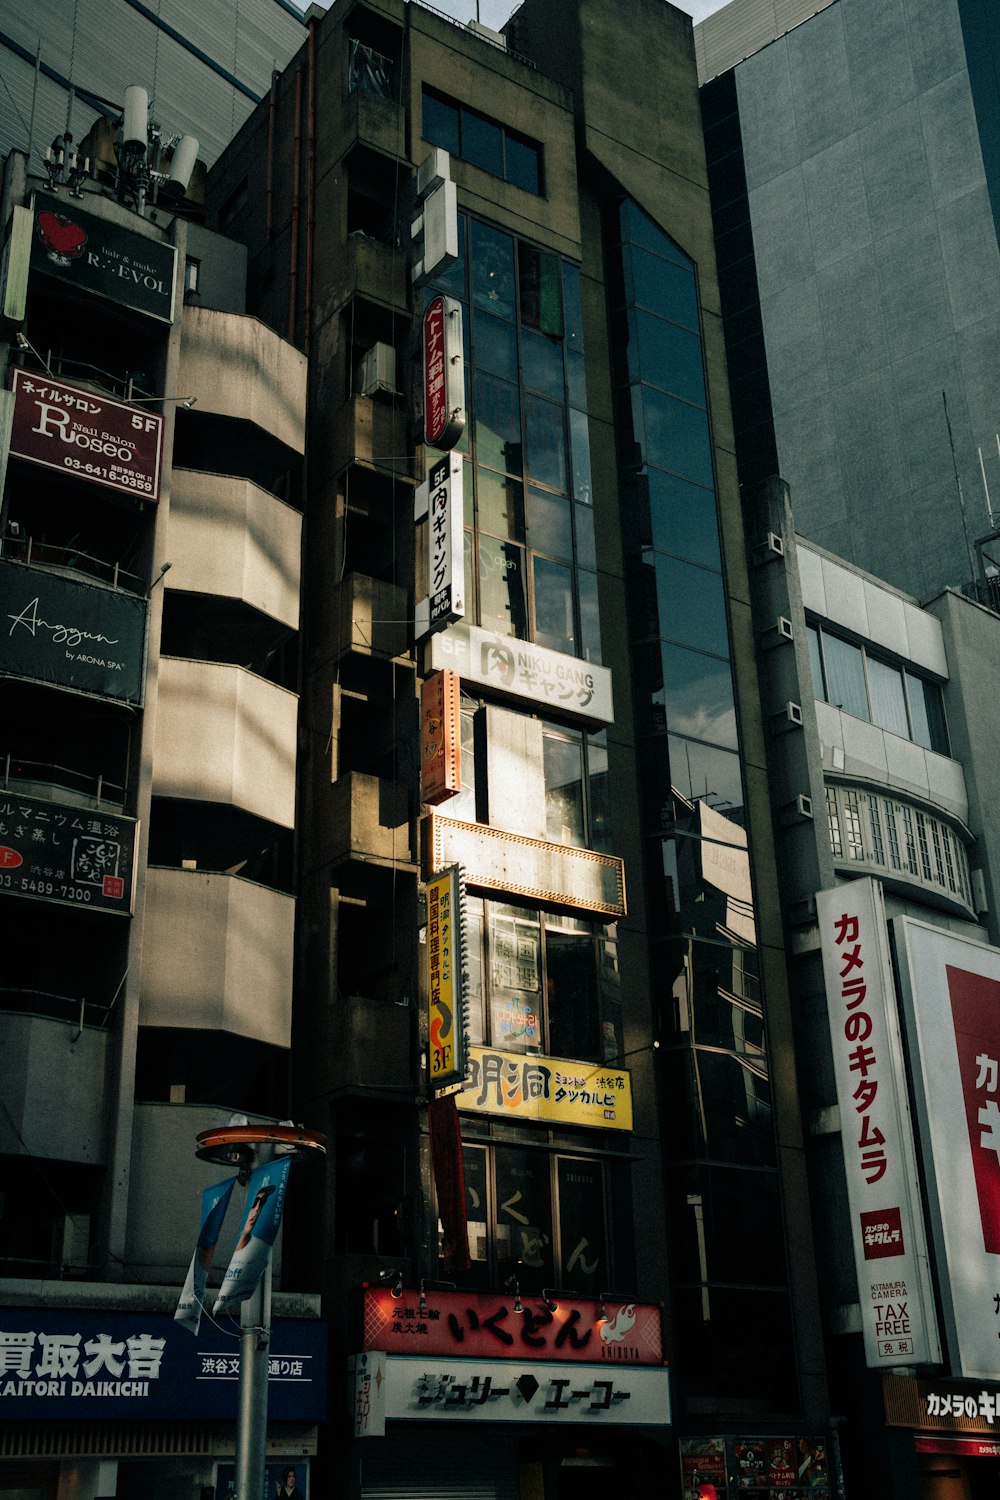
{"type": "Point", "coordinates": [284, 1479]}
{"type": "Point", "coordinates": [951, 991]}
{"type": "Point", "coordinates": [214, 1202]}
{"type": "Point", "coordinates": [262, 1220]}
{"type": "Point", "coordinates": [755, 1468]}
{"type": "Point", "coordinates": [703, 1468]}
{"type": "Point", "coordinates": [72, 856]}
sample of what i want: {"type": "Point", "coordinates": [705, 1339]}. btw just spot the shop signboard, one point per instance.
{"type": "Point", "coordinates": [444, 373]}
{"type": "Point", "coordinates": [883, 1191]}
{"type": "Point", "coordinates": [86, 434]}
{"type": "Point", "coordinates": [754, 1468]}
{"type": "Point", "coordinates": [71, 856]}
{"type": "Point", "coordinates": [88, 1365]}
{"type": "Point", "coordinates": [446, 997]}
{"type": "Point", "coordinates": [479, 1390]}
{"type": "Point", "coordinates": [494, 860]}
{"type": "Point", "coordinates": [440, 737]}
{"type": "Point", "coordinates": [484, 1325]}
{"type": "Point", "coordinates": [518, 669]}
{"type": "Point", "coordinates": [440, 502]}
{"type": "Point", "coordinates": [951, 993]}
{"type": "Point", "coordinates": [104, 258]}
{"type": "Point", "coordinates": [71, 634]}
{"type": "Point", "coordinates": [516, 1085]}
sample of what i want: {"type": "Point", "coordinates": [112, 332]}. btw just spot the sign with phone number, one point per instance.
{"type": "Point", "coordinates": [70, 855]}
{"type": "Point", "coordinates": [87, 434]}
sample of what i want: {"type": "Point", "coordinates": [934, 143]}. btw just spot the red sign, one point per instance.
{"type": "Point", "coordinates": [975, 1008]}
{"type": "Point", "coordinates": [965, 1447]}
{"type": "Point", "coordinates": [882, 1234]}
{"type": "Point", "coordinates": [86, 434]}
{"type": "Point", "coordinates": [444, 380]}
{"type": "Point", "coordinates": [781, 1462]}
{"type": "Point", "coordinates": [9, 858]}
{"type": "Point", "coordinates": [483, 1326]}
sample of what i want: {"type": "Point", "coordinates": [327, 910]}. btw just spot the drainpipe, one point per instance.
{"type": "Point", "coordinates": [293, 269]}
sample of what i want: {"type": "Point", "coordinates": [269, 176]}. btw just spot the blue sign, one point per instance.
{"type": "Point", "coordinates": [87, 1364]}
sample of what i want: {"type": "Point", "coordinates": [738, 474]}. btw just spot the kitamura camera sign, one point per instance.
{"type": "Point", "coordinates": [86, 435]}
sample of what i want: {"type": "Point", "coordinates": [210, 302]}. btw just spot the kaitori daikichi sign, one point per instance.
{"type": "Point", "coordinates": [890, 1253]}
{"type": "Point", "coordinates": [86, 435]}
{"type": "Point", "coordinates": [951, 990]}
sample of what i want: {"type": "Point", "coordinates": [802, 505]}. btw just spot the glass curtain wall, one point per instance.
{"type": "Point", "coordinates": [731, 1295]}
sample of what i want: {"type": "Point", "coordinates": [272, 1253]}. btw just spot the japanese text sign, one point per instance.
{"type": "Point", "coordinates": [71, 633]}
{"type": "Point", "coordinates": [98, 256]}
{"type": "Point", "coordinates": [890, 1254]}
{"type": "Point", "coordinates": [514, 1391]}
{"type": "Point", "coordinates": [445, 978]}
{"type": "Point", "coordinates": [440, 738]}
{"type": "Point", "coordinates": [517, 669]}
{"type": "Point", "coordinates": [951, 989]}
{"type": "Point", "coordinates": [142, 1366]}
{"type": "Point", "coordinates": [86, 434]}
{"type": "Point", "coordinates": [73, 856]}
{"type": "Point", "coordinates": [479, 1325]}
{"type": "Point", "coordinates": [514, 1084]}
{"type": "Point", "coordinates": [440, 500]}
{"type": "Point", "coordinates": [444, 375]}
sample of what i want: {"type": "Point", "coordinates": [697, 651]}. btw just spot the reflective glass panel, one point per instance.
{"type": "Point", "coordinates": [845, 676]}
{"type": "Point", "coordinates": [590, 617]}
{"type": "Point", "coordinates": [691, 604]}
{"type": "Point", "coordinates": [477, 1209]}
{"type": "Point", "coordinates": [576, 380]}
{"type": "Point", "coordinates": [546, 433]}
{"type": "Point", "coordinates": [888, 701]}
{"type": "Point", "coordinates": [440, 124]}
{"type": "Point", "coordinates": [640, 229]}
{"type": "Point", "coordinates": [572, 307]}
{"type": "Point", "coordinates": [815, 662]}
{"type": "Point", "coordinates": [482, 143]}
{"type": "Point", "coordinates": [502, 600]}
{"type": "Point", "coordinates": [664, 289]}
{"type": "Point", "coordinates": [501, 505]}
{"type": "Point", "coordinates": [675, 435]}
{"type": "Point", "coordinates": [579, 436]}
{"type": "Point", "coordinates": [571, 985]}
{"type": "Point", "coordinates": [496, 345]}
{"type": "Point", "coordinates": [586, 547]}
{"type": "Point", "coordinates": [492, 270]}
{"type": "Point", "coordinates": [669, 356]}
{"type": "Point", "coordinates": [524, 1216]}
{"type": "Point", "coordinates": [550, 528]}
{"type": "Point", "coordinates": [521, 164]}
{"type": "Point", "coordinates": [541, 289]}
{"type": "Point", "coordinates": [554, 624]}
{"type": "Point", "coordinates": [516, 992]}
{"type": "Point", "coordinates": [698, 770]}
{"type": "Point", "coordinates": [582, 1225]}
{"type": "Point", "coordinates": [498, 423]}
{"type": "Point", "coordinates": [600, 799]}
{"type": "Point", "coordinates": [542, 364]}
{"type": "Point", "coordinates": [695, 696]}
{"type": "Point", "coordinates": [682, 518]}
{"type": "Point", "coordinates": [563, 763]}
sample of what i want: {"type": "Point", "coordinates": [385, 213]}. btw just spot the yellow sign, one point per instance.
{"type": "Point", "coordinates": [526, 1087]}
{"type": "Point", "coordinates": [444, 979]}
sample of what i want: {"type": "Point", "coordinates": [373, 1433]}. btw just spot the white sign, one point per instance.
{"type": "Point", "coordinates": [951, 993]}
{"type": "Point", "coordinates": [367, 1390]}
{"type": "Point", "coordinates": [890, 1251]}
{"type": "Point", "coordinates": [440, 499]}
{"type": "Point", "coordinates": [564, 684]}
{"type": "Point", "coordinates": [477, 1390]}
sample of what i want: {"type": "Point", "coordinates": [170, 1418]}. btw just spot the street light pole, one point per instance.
{"type": "Point", "coordinates": [251, 1413]}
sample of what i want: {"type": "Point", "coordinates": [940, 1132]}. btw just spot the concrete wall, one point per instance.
{"type": "Point", "coordinates": [55, 1080]}
{"type": "Point", "coordinates": [237, 367]}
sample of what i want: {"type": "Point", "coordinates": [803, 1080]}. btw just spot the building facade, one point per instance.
{"type": "Point", "coordinates": [611, 819]}
{"type": "Point", "coordinates": [152, 489]}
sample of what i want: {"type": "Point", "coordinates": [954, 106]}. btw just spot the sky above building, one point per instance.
{"type": "Point", "coordinates": [496, 13]}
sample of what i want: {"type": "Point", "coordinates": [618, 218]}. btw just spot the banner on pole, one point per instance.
{"type": "Point", "coordinates": [214, 1203]}
{"type": "Point", "coordinates": [265, 1203]}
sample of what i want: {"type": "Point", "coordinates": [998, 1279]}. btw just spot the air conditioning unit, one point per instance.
{"type": "Point", "coordinates": [378, 370]}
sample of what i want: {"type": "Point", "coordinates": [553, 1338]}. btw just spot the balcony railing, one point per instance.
{"type": "Point", "coordinates": [17, 770]}
{"type": "Point", "coordinates": [70, 559]}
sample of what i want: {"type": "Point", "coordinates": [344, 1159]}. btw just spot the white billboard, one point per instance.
{"type": "Point", "coordinates": [890, 1250]}
{"type": "Point", "coordinates": [951, 994]}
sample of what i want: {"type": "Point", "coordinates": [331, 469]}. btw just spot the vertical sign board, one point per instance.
{"type": "Point", "coordinates": [440, 737]}
{"type": "Point", "coordinates": [440, 502]}
{"type": "Point", "coordinates": [890, 1252]}
{"type": "Point", "coordinates": [951, 995]}
{"type": "Point", "coordinates": [444, 373]}
{"type": "Point", "coordinates": [14, 262]}
{"type": "Point", "coordinates": [446, 978]}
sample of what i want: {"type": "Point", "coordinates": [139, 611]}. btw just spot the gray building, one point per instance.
{"type": "Point", "coordinates": [853, 160]}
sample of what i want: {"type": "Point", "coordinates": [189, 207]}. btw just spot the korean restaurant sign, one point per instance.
{"type": "Point", "coordinates": [444, 374]}
{"type": "Point", "coordinates": [73, 856]}
{"type": "Point", "coordinates": [97, 256]}
{"type": "Point", "coordinates": [440, 501]}
{"type": "Point", "coordinates": [951, 992]}
{"type": "Point", "coordinates": [519, 1086]}
{"type": "Point", "coordinates": [564, 684]}
{"type": "Point", "coordinates": [456, 1390]}
{"type": "Point", "coordinates": [497, 861]}
{"type": "Point", "coordinates": [481, 1325]}
{"type": "Point", "coordinates": [87, 435]}
{"type": "Point", "coordinates": [90, 1365]}
{"type": "Point", "coordinates": [890, 1251]}
{"type": "Point", "coordinates": [71, 633]}
{"type": "Point", "coordinates": [446, 998]}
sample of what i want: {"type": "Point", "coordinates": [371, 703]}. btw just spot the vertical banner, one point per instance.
{"type": "Point", "coordinates": [446, 999]}
{"type": "Point", "coordinates": [265, 1203]}
{"type": "Point", "coordinates": [449, 1180]}
{"type": "Point", "coordinates": [890, 1252]}
{"type": "Point", "coordinates": [444, 373]}
{"type": "Point", "coordinates": [367, 1394]}
{"type": "Point", "coordinates": [440, 737]}
{"type": "Point", "coordinates": [951, 992]}
{"type": "Point", "coordinates": [214, 1202]}
{"type": "Point", "coordinates": [440, 501]}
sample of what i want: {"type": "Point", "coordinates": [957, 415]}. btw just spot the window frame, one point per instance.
{"type": "Point", "coordinates": [524, 143]}
{"type": "Point", "coordinates": [908, 672]}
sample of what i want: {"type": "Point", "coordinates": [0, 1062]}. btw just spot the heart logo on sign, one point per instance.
{"type": "Point", "coordinates": [63, 239]}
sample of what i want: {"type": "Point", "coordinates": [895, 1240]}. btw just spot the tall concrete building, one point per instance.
{"type": "Point", "coordinates": [855, 187]}
{"type": "Point", "coordinates": [627, 1126]}
{"type": "Point", "coordinates": [149, 573]}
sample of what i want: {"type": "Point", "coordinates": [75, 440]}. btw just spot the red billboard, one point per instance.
{"type": "Point", "coordinates": [86, 434]}
{"type": "Point", "coordinates": [483, 1325]}
{"type": "Point", "coordinates": [444, 376]}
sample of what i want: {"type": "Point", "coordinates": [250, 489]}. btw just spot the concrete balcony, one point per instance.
{"type": "Point", "coordinates": [224, 735]}
{"type": "Point", "coordinates": [237, 367]}
{"type": "Point", "coordinates": [370, 821]}
{"type": "Point", "coordinates": [368, 268]}
{"type": "Point", "coordinates": [368, 430]}
{"type": "Point", "coordinates": [369, 618]}
{"type": "Point", "coordinates": [165, 1181]}
{"type": "Point", "coordinates": [217, 955]}
{"type": "Point", "coordinates": [367, 119]}
{"type": "Point", "coordinates": [55, 1084]}
{"type": "Point", "coordinates": [229, 537]}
